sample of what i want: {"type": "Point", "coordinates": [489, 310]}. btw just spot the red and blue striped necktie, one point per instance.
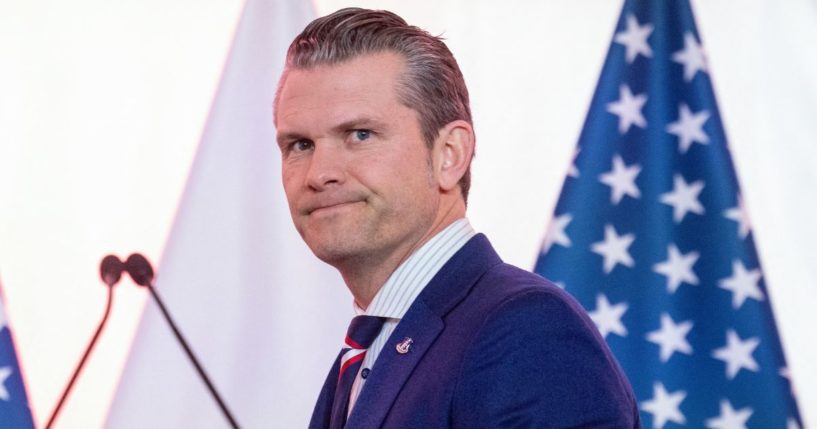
{"type": "Point", "coordinates": [362, 332]}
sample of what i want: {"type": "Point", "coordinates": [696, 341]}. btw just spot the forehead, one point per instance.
{"type": "Point", "coordinates": [366, 84]}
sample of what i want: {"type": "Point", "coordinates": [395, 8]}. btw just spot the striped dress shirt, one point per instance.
{"type": "Point", "coordinates": [404, 285]}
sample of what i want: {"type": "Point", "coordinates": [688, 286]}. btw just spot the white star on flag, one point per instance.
{"type": "Point", "coordinates": [689, 128]}
{"type": "Point", "coordinates": [621, 180]}
{"type": "Point", "coordinates": [786, 373]}
{"type": "Point", "coordinates": [608, 317]}
{"type": "Point", "coordinates": [678, 268]}
{"type": "Point", "coordinates": [737, 354]}
{"type": "Point", "coordinates": [729, 417]}
{"type": "Point", "coordinates": [660, 227]}
{"type": "Point", "coordinates": [743, 284]}
{"type": "Point", "coordinates": [671, 337]}
{"type": "Point", "coordinates": [573, 171]}
{"type": "Point", "coordinates": [614, 249]}
{"type": "Point", "coordinates": [556, 232]}
{"type": "Point", "coordinates": [664, 406]}
{"type": "Point", "coordinates": [5, 372]}
{"type": "Point", "coordinates": [628, 109]}
{"type": "Point", "coordinates": [684, 198]}
{"type": "Point", "coordinates": [692, 57]}
{"type": "Point", "coordinates": [741, 216]}
{"type": "Point", "coordinates": [634, 39]}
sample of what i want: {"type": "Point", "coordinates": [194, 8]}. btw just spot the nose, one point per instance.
{"type": "Point", "coordinates": [326, 167]}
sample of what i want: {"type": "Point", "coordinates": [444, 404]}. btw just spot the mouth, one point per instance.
{"type": "Point", "coordinates": [329, 208]}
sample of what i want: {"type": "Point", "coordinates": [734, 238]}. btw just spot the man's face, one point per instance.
{"type": "Point", "coordinates": [356, 170]}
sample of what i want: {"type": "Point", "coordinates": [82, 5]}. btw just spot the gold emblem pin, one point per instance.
{"type": "Point", "coordinates": [403, 346]}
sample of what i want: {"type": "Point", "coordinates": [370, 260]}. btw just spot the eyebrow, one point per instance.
{"type": "Point", "coordinates": [287, 137]}
{"type": "Point", "coordinates": [359, 122]}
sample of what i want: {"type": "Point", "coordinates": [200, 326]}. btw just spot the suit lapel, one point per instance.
{"type": "Point", "coordinates": [392, 368]}
{"type": "Point", "coordinates": [422, 323]}
{"type": "Point", "coordinates": [322, 413]}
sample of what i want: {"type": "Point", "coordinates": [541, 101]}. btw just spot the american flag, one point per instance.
{"type": "Point", "coordinates": [14, 411]}
{"type": "Point", "coordinates": [652, 236]}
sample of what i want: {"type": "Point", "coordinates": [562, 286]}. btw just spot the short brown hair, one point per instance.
{"type": "Point", "coordinates": [432, 84]}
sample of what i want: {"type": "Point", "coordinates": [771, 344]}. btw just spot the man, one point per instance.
{"type": "Point", "coordinates": [375, 132]}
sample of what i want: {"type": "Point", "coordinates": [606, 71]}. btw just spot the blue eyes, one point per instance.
{"type": "Point", "coordinates": [306, 145]}
{"type": "Point", "coordinates": [362, 134]}
{"type": "Point", "coordinates": [302, 145]}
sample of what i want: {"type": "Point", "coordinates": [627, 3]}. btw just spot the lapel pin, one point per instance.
{"type": "Point", "coordinates": [403, 346]}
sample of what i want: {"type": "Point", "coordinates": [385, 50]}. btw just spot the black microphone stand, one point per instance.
{"type": "Point", "coordinates": [192, 357]}
{"type": "Point", "coordinates": [110, 281]}
{"type": "Point", "coordinates": [142, 274]}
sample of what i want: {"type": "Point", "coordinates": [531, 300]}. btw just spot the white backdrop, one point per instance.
{"type": "Point", "coordinates": [102, 106]}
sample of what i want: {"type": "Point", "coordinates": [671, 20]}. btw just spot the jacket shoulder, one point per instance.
{"type": "Point", "coordinates": [537, 360]}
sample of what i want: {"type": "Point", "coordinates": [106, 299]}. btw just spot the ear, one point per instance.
{"type": "Point", "coordinates": [453, 151]}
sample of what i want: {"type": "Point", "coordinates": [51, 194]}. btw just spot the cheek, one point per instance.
{"type": "Point", "coordinates": [290, 181]}
{"type": "Point", "coordinates": [412, 176]}
{"type": "Point", "coordinates": [291, 173]}
{"type": "Point", "coordinates": [421, 171]}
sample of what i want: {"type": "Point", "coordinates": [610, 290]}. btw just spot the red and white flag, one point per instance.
{"type": "Point", "coordinates": [246, 292]}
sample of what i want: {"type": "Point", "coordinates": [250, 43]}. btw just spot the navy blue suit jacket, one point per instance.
{"type": "Point", "coordinates": [493, 347]}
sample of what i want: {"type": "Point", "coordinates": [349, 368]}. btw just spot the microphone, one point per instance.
{"type": "Point", "coordinates": [142, 274]}
{"type": "Point", "coordinates": [110, 270]}
{"type": "Point", "coordinates": [140, 270]}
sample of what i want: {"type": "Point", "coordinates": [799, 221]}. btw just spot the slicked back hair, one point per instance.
{"type": "Point", "coordinates": [432, 83]}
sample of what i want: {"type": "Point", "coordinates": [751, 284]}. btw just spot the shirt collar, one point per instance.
{"type": "Point", "coordinates": [412, 276]}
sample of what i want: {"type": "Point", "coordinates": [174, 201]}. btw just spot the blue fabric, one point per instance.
{"type": "Point", "coordinates": [362, 330]}
{"type": "Point", "coordinates": [493, 346]}
{"type": "Point", "coordinates": [14, 409]}
{"type": "Point", "coordinates": [711, 245]}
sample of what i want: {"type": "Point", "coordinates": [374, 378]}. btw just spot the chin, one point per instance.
{"type": "Point", "coordinates": [333, 251]}
{"type": "Point", "coordinates": [337, 258]}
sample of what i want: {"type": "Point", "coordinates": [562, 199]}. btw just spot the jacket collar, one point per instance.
{"type": "Point", "coordinates": [422, 324]}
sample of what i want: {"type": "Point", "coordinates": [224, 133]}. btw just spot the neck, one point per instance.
{"type": "Point", "coordinates": [365, 277]}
